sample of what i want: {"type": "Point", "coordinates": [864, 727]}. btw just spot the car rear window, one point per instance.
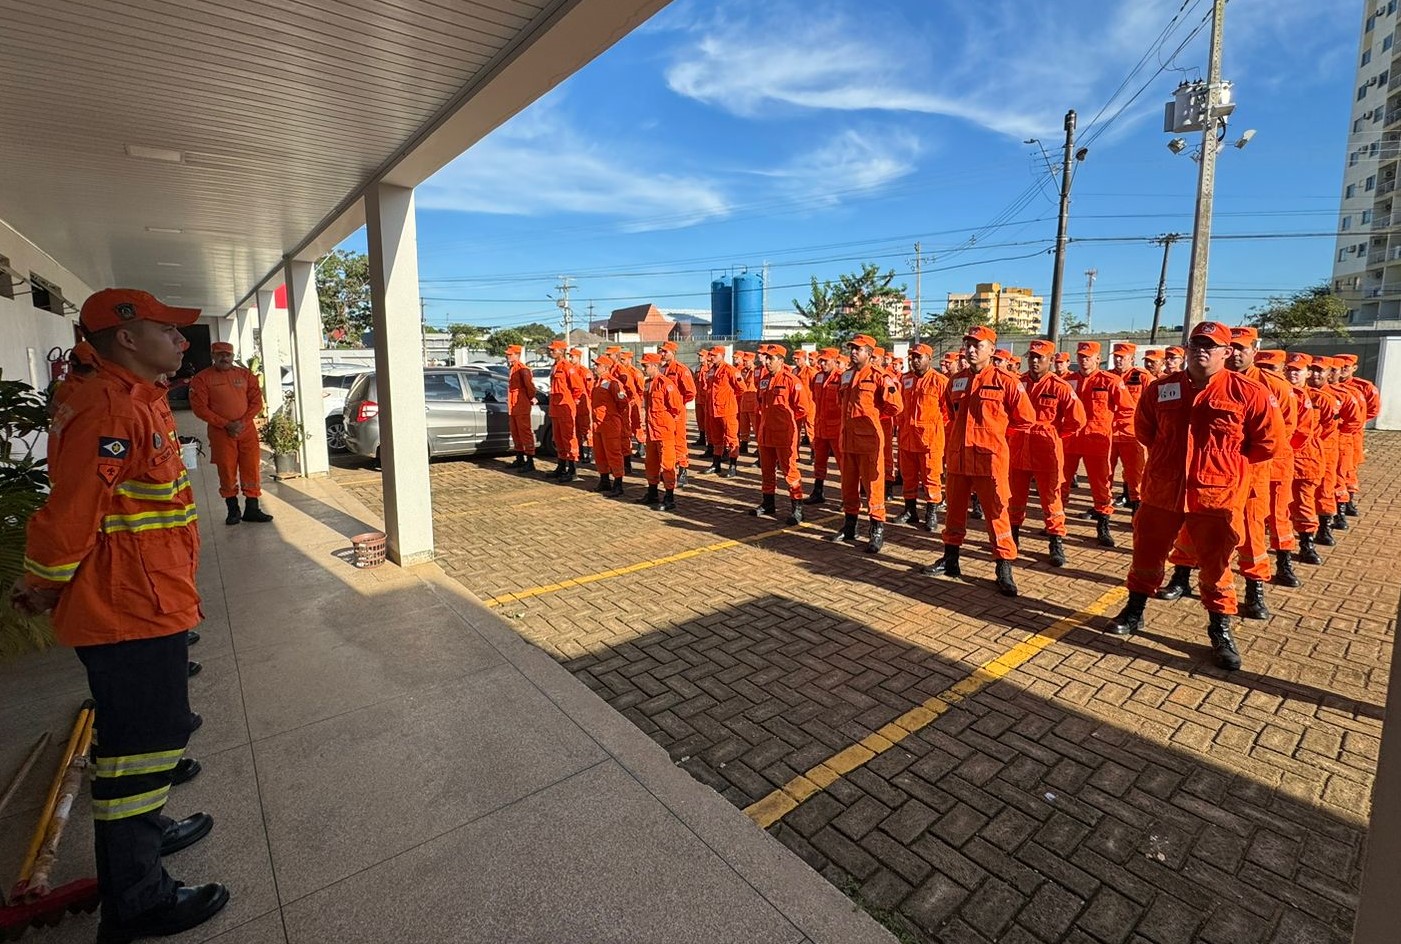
{"type": "Point", "coordinates": [363, 388]}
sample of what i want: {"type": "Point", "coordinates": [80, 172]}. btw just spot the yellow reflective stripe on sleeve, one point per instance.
{"type": "Point", "coordinates": [150, 520]}
{"type": "Point", "coordinates": [131, 765]}
{"type": "Point", "coordinates": [154, 491]}
{"type": "Point", "coordinates": [61, 573]}
{"type": "Point", "coordinates": [125, 807]}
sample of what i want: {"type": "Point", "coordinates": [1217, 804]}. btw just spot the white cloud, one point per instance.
{"type": "Point", "coordinates": [848, 163]}
{"type": "Point", "coordinates": [538, 164]}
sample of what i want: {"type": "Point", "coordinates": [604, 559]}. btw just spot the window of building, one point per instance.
{"type": "Point", "coordinates": [1342, 254]}
{"type": "Point", "coordinates": [1373, 148]}
{"type": "Point", "coordinates": [1371, 183]}
{"type": "Point", "coordinates": [1352, 159]}
{"type": "Point", "coordinates": [1366, 216]}
{"type": "Point", "coordinates": [45, 295]}
{"type": "Point", "coordinates": [1361, 92]}
{"type": "Point", "coordinates": [1366, 56]}
{"type": "Point", "coordinates": [7, 285]}
{"type": "Point", "coordinates": [1377, 115]}
{"type": "Point", "coordinates": [1347, 223]}
{"type": "Point", "coordinates": [1357, 125]}
{"type": "Point", "coordinates": [1391, 7]}
{"type": "Point", "coordinates": [1386, 43]}
{"type": "Point", "coordinates": [1382, 78]}
{"type": "Point", "coordinates": [1350, 192]}
{"type": "Point", "coordinates": [1371, 24]}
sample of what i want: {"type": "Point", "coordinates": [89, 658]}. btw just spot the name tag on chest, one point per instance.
{"type": "Point", "coordinates": [1169, 392]}
{"type": "Point", "coordinates": [959, 385]}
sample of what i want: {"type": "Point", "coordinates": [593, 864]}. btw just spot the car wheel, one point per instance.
{"type": "Point", "coordinates": [335, 434]}
{"type": "Point", "coordinates": [546, 446]}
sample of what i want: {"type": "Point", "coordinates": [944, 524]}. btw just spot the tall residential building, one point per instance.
{"type": "Point", "coordinates": [1006, 305]}
{"type": "Point", "coordinates": [1367, 257]}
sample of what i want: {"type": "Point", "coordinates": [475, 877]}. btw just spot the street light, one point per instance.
{"type": "Point", "coordinates": [1177, 145]}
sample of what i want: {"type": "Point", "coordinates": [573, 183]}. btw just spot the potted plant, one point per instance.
{"type": "Point", "coordinates": [284, 436]}
{"type": "Point", "coordinates": [24, 485]}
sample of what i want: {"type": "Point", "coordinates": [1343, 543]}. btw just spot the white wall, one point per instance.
{"type": "Point", "coordinates": [27, 334]}
{"type": "Point", "coordinates": [1389, 383]}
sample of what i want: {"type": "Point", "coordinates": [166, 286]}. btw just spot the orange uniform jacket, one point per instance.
{"type": "Point", "coordinates": [566, 387]}
{"type": "Point", "coordinates": [921, 427]}
{"type": "Point", "coordinates": [1281, 392]}
{"type": "Point", "coordinates": [520, 393]}
{"type": "Point", "coordinates": [609, 401]}
{"type": "Point", "coordinates": [749, 399]}
{"type": "Point", "coordinates": [783, 403]}
{"type": "Point", "coordinates": [665, 407]}
{"type": "Point", "coordinates": [221, 397]}
{"type": "Point", "coordinates": [1308, 434]}
{"type": "Point", "coordinates": [680, 376]}
{"type": "Point", "coordinates": [1201, 442]}
{"type": "Point", "coordinates": [827, 404]}
{"type": "Point", "coordinates": [117, 535]}
{"type": "Point", "coordinates": [1102, 394]}
{"type": "Point", "coordinates": [868, 395]}
{"type": "Point", "coordinates": [1370, 394]}
{"type": "Point", "coordinates": [725, 389]}
{"type": "Point", "coordinates": [1136, 380]}
{"type": "Point", "coordinates": [1352, 408]}
{"type": "Point", "coordinates": [985, 406]}
{"type": "Point", "coordinates": [1059, 414]}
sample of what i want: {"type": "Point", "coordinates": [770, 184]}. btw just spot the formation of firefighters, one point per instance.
{"type": "Point", "coordinates": [1224, 449]}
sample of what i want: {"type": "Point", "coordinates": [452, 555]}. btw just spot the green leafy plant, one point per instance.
{"type": "Point", "coordinates": [24, 486]}
{"type": "Point", "coordinates": [282, 433]}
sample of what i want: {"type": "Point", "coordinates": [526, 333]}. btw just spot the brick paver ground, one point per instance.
{"type": "Point", "coordinates": [1105, 791]}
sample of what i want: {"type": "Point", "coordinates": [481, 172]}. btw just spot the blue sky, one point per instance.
{"type": "Point", "coordinates": [817, 135]}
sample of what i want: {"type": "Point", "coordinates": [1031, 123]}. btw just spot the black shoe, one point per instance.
{"type": "Point", "coordinates": [931, 516]}
{"type": "Point", "coordinates": [1005, 584]}
{"type": "Point", "coordinates": [668, 501]}
{"type": "Point", "coordinates": [184, 833]}
{"type": "Point", "coordinates": [975, 509]}
{"type": "Point", "coordinates": [1324, 538]}
{"type": "Point", "coordinates": [1219, 632]}
{"type": "Point", "coordinates": [767, 508]}
{"type": "Point", "coordinates": [192, 906]}
{"type": "Point", "coordinates": [234, 516]}
{"type": "Point", "coordinates": [795, 512]}
{"type": "Point", "coordinates": [709, 453]}
{"type": "Point", "coordinates": [1340, 522]}
{"type": "Point", "coordinates": [816, 498]}
{"type": "Point", "coordinates": [1130, 618]}
{"type": "Point", "coordinates": [1057, 557]}
{"type": "Point", "coordinates": [617, 488]}
{"type": "Point", "coordinates": [875, 537]}
{"type": "Point", "coordinates": [527, 466]}
{"type": "Point", "coordinates": [558, 471]}
{"type": "Point", "coordinates": [185, 771]}
{"type": "Point", "coordinates": [899, 479]}
{"type": "Point", "coordinates": [946, 566]}
{"type": "Point", "coordinates": [196, 721]}
{"type": "Point", "coordinates": [651, 498]}
{"type": "Point", "coordinates": [1350, 509]}
{"type": "Point", "coordinates": [1122, 501]}
{"type": "Point", "coordinates": [586, 454]}
{"type": "Point", "coordinates": [518, 462]}
{"type": "Point", "coordinates": [731, 470]}
{"type": "Point", "coordinates": [700, 440]}
{"type": "Point", "coordinates": [192, 637]}
{"type": "Point", "coordinates": [681, 476]}
{"type": "Point", "coordinates": [847, 532]}
{"type": "Point", "coordinates": [1102, 536]}
{"type": "Point", "coordinates": [910, 515]}
{"type": "Point", "coordinates": [1284, 570]}
{"type": "Point", "coordinates": [744, 449]}
{"type": "Point", "coordinates": [1017, 536]}
{"type": "Point", "coordinates": [1179, 586]}
{"type": "Point", "coordinates": [571, 472]}
{"type": "Point", "coordinates": [604, 483]}
{"type": "Point", "coordinates": [627, 464]}
{"type": "Point", "coordinates": [1254, 607]}
{"type": "Point", "coordinates": [194, 668]}
{"type": "Point", "coordinates": [1308, 554]}
{"type": "Point", "coordinates": [251, 512]}
{"type": "Point", "coordinates": [1090, 515]}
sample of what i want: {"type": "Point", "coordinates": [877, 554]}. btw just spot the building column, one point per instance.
{"type": "Point", "coordinates": [272, 334]}
{"type": "Point", "coordinates": [304, 310]}
{"type": "Point", "coordinates": [1389, 383]}
{"type": "Point", "coordinates": [403, 429]}
{"type": "Point", "coordinates": [245, 347]}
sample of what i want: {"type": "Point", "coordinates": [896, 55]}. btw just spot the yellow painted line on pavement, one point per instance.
{"type": "Point", "coordinates": [784, 800]}
{"type": "Point", "coordinates": [548, 588]}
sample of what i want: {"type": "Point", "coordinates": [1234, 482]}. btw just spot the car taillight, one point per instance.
{"type": "Point", "coordinates": [369, 409]}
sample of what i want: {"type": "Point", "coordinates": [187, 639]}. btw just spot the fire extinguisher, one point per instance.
{"type": "Point", "coordinates": [59, 363]}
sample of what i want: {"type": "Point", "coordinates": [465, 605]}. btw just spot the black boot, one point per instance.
{"type": "Point", "coordinates": [1340, 521]}
{"type": "Point", "coordinates": [766, 508]}
{"type": "Point", "coordinates": [816, 497]}
{"type": "Point", "coordinates": [603, 483]}
{"type": "Point", "coordinates": [1102, 536]}
{"type": "Point", "coordinates": [946, 566]}
{"type": "Point", "coordinates": [715, 467]}
{"type": "Point", "coordinates": [795, 512]}
{"type": "Point", "coordinates": [744, 449]}
{"type": "Point", "coordinates": [519, 461]}
{"type": "Point", "coordinates": [1017, 535]}
{"type": "Point", "coordinates": [650, 498]}
{"type": "Point", "coordinates": [668, 501]}
{"type": "Point", "coordinates": [527, 466]}
{"type": "Point", "coordinates": [1057, 558]}
{"type": "Point", "coordinates": [586, 454]}
{"type": "Point", "coordinates": [1130, 618]}
{"type": "Point", "coordinates": [1005, 584]}
{"type": "Point", "coordinates": [1324, 537]}
{"type": "Point", "coordinates": [975, 509]}
{"type": "Point", "coordinates": [1254, 607]}
{"type": "Point", "coordinates": [571, 473]}
{"type": "Point", "coordinates": [700, 440]}
{"type": "Point", "coordinates": [910, 515]}
{"type": "Point", "coordinates": [681, 477]}
{"type": "Point", "coordinates": [558, 471]}
{"type": "Point", "coordinates": [627, 464]}
{"type": "Point", "coordinates": [931, 515]}
{"type": "Point", "coordinates": [192, 905]}
{"type": "Point", "coordinates": [847, 532]}
{"type": "Point", "coordinates": [617, 488]}
{"type": "Point", "coordinates": [1350, 507]}
{"type": "Point", "coordinates": [1284, 570]}
{"type": "Point", "coordinates": [251, 512]}
{"type": "Point", "coordinates": [709, 452]}
{"type": "Point", "coordinates": [1219, 631]}
{"type": "Point", "coordinates": [875, 538]}
{"type": "Point", "coordinates": [234, 516]}
{"type": "Point", "coordinates": [731, 470]}
{"type": "Point", "coordinates": [1308, 554]}
{"type": "Point", "coordinates": [1179, 586]}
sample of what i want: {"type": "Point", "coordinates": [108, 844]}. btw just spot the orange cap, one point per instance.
{"type": "Point", "coordinates": [664, 346]}
{"type": "Point", "coordinates": [829, 353]}
{"type": "Point", "coordinates": [863, 340]}
{"type": "Point", "coordinates": [514, 349]}
{"type": "Point", "coordinates": [1214, 330]}
{"type": "Point", "coordinates": [1245, 335]}
{"type": "Point", "coordinates": [1152, 357]}
{"type": "Point", "coordinates": [717, 349]}
{"type": "Point", "coordinates": [1346, 360]}
{"type": "Point", "coordinates": [221, 347]}
{"type": "Point", "coordinates": [654, 358]}
{"type": "Point", "coordinates": [748, 356]}
{"type": "Point", "coordinates": [111, 307]}
{"type": "Point", "coordinates": [777, 349]}
{"type": "Point", "coordinates": [625, 355]}
{"type": "Point", "coordinates": [1090, 348]}
{"type": "Point", "coordinates": [612, 349]}
{"type": "Point", "coordinates": [575, 352]}
{"type": "Point", "coordinates": [924, 349]}
{"type": "Point", "coordinates": [603, 360]}
{"type": "Point", "coordinates": [1299, 359]}
{"type": "Point", "coordinates": [1041, 346]}
{"type": "Point", "coordinates": [1173, 350]}
{"type": "Point", "coordinates": [981, 333]}
{"type": "Point", "coordinates": [1272, 356]}
{"type": "Point", "coordinates": [1003, 353]}
{"type": "Point", "coordinates": [1124, 347]}
{"type": "Point", "coordinates": [1062, 357]}
{"type": "Point", "coordinates": [558, 346]}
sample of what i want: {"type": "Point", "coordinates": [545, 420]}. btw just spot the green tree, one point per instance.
{"type": "Point", "coordinates": [950, 327]}
{"type": "Point", "coordinates": [1288, 319]}
{"type": "Point", "coordinates": [1070, 324]}
{"type": "Point", "coordinates": [858, 303]}
{"type": "Point", "coordinates": [818, 314]}
{"type": "Point", "coordinates": [343, 289]}
{"type": "Point", "coordinates": [502, 338]}
{"type": "Point", "coordinates": [468, 335]}
{"type": "Point", "coordinates": [530, 337]}
{"type": "Point", "coordinates": [538, 335]}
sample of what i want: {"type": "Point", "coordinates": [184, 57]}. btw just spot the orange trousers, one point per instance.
{"type": "Point", "coordinates": [1347, 466]}
{"type": "Point", "coordinates": [1359, 455]}
{"type": "Point", "coordinates": [823, 450]}
{"type": "Point", "coordinates": [887, 428]}
{"type": "Point", "coordinates": [1252, 553]}
{"type": "Point", "coordinates": [1131, 455]}
{"type": "Point", "coordinates": [775, 459]}
{"type": "Point", "coordinates": [919, 477]}
{"type": "Point", "coordinates": [1278, 517]}
{"type": "Point", "coordinates": [1328, 488]}
{"type": "Point", "coordinates": [680, 446]}
{"type": "Point", "coordinates": [239, 461]}
{"type": "Point", "coordinates": [1047, 491]}
{"type": "Point", "coordinates": [1097, 471]}
{"type": "Point", "coordinates": [610, 444]}
{"type": "Point", "coordinates": [522, 435]}
{"type": "Point", "coordinates": [1210, 539]}
{"type": "Point", "coordinates": [583, 426]}
{"type": "Point", "coordinates": [862, 470]}
{"type": "Point", "coordinates": [562, 420]}
{"type": "Point", "coordinates": [661, 462]}
{"type": "Point", "coordinates": [993, 494]}
{"type": "Point", "coordinates": [724, 435]}
{"type": "Point", "coordinates": [748, 425]}
{"type": "Point", "coordinates": [1303, 506]}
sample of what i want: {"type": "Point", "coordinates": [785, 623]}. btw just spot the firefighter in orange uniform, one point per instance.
{"type": "Point", "coordinates": [827, 422]}
{"type": "Point", "coordinates": [1202, 427]}
{"type": "Point", "coordinates": [725, 388]}
{"type": "Point", "coordinates": [1126, 450]}
{"type": "Point", "coordinates": [868, 395]}
{"type": "Point", "coordinates": [921, 432]}
{"type": "Point", "coordinates": [1352, 422]}
{"type": "Point", "coordinates": [784, 406]}
{"type": "Point", "coordinates": [520, 398]}
{"type": "Point", "coordinates": [583, 418]}
{"type": "Point", "coordinates": [1062, 365]}
{"type": "Point", "coordinates": [685, 383]}
{"type": "Point", "coordinates": [229, 398]}
{"type": "Point", "coordinates": [986, 405]}
{"type": "Point", "coordinates": [566, 387]}
{"type": "Point", "coordinates": [1153, 363]}
{"type": "Point", "coordinates": [1103, 396]}
{"type": "Point", "coordinates": [1330, 421]}
{"type": "Point", "coordinates": [112, 555]}
{"type": "Point", "coordinates": [612, 403]}
{"type": "Point", "coordinates": [665, 413]}
{"type": "Point", "coordinates": [748, 401]}
{"type": "Point", "coordinates": [635, 381]}
{"type": "Point", "coordinates": [1314, 411]}
{"type": "Point", "coordinates": [1372, 399]}
{"type": "Point", "coordinates": [1269, 366]}
{"type": "Point", "coordinates": [1173, 359]}
{"type": "Point", "coordinates": [702, 375]}
{"type": "Point", "coordinates": [1037, 452]}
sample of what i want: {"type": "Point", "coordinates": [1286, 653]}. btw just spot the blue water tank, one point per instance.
{"type": "Point", "coordinates": [749, 306]}
{"type": "Point", "coordinates": [722, 311]}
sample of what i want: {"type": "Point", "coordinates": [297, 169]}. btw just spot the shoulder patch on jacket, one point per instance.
{"type": "Point", "coordinates": [113, 448]}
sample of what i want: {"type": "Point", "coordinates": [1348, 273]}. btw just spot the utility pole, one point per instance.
{"type": "Point", "coordinates": [423, 327]}
{"type": "Point", "coordinates": [918, 263]}
{"type": "Point", "coordinates": [1053, 329]}
{"type": "Point", "coordinates": [562, 303]}
{"type": "Point", "coordinates": [1206, 181]}
{"type": "Point", "coordinates": [1090, 275]}
{"type": "Point", "coordinates": [1160, 299]}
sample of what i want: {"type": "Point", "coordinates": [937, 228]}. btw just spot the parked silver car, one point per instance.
{"type": "Point", "coordinates": [467, 414]}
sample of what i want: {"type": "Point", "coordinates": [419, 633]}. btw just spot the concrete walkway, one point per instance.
{"type": "Point", "coordinates": [386, 760]}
